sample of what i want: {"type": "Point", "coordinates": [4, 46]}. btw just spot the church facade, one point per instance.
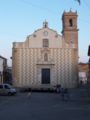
{"type": "Point", "coordinates": [46, 58]}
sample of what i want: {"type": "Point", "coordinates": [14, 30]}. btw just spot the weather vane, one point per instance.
{"type": "Point", "coordinates": [78, 1]}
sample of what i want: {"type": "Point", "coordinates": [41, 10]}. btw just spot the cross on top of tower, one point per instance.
{"type": "Point", "coordinates": [45, 24]}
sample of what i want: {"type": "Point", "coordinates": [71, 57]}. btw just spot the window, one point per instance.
{"type": "Point", "coordinates": [34, 35]}
{"type": "Point", "coordinates": [45, 43]}
{"type": "Point", "coordinates": [45, 57]}
{"type": "Point", "coordinates": [45, 33]}
{"type": "Point", "coordinates": [70, 22]}
{"type": "Point", "coordinates": [7, 87]}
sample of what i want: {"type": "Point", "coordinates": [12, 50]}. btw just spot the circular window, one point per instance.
{"type": "Point", "coordinates": [45, 33]}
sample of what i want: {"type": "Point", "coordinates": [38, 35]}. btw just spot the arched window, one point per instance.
{"type": "Point", "coordinates": [71, 22]}
{"type": "Point", "coordinates": [45, 57]}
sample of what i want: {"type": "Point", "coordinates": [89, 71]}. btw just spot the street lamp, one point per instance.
{"type": "Point", "coordinates": [89, 50]}
{"type": "Point", "coordinates": [89, 57]}
{"type": "Point", "coordinates": [88, 78]}
{"type": "Point", "coordinates": [1, 77]}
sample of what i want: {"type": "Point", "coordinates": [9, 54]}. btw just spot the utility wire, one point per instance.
{"type": "Point", "coordinates": [49, 10]}
{"type": "Point", "coordinates": [86, 4]}
{"type": "Point", "coordinates": [38, 6]}
{"type": "Point", "coordinates": [84, 21]}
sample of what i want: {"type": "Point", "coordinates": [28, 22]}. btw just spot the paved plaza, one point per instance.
{"type": "Point", "coordinates": [45, 106]}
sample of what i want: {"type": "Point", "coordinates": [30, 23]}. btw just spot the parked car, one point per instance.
{"type": "Point", "coordinates": [6, 89]}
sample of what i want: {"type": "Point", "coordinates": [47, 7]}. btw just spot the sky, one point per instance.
{"type": "Point", "coordinates": [20, 18]}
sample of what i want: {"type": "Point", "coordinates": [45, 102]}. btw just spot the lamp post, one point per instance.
{"type": "Point", "coordinates": [1, 77]}
{"type": "Point", "coordinates": [88, 78]}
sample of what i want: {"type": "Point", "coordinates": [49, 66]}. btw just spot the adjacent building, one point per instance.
{"type": "Point", "coordinates": [83, 72]}
{"type": "Point", "coordinates": [3, 69]}
{"type": "Point", "coordinates": [46, 59]}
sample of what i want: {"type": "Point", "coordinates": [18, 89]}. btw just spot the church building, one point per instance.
{"type": "Point", "coordinates": [46, 59]}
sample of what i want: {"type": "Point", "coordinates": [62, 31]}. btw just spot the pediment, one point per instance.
{"type": "Point", "coordinates": [44, 33]}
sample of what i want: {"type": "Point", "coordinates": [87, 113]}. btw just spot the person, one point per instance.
{"type": "Point", "coordinates": [29, 93]}
{"type": "Point", "coordinates": [58, 88]}
{"type": "Point", "coordinates": [64, 94]}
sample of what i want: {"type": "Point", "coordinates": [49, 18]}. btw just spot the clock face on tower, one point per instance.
{"type": "Point", "coordinates": [45, 33]}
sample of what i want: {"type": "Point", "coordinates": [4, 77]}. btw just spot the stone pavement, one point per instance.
{"type": "Point", "coordinates": [46, 106]}
{"type": "Point", "coordinates": [80, 94]}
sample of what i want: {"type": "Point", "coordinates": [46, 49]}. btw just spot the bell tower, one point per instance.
{"type": "Point", "coordinates": [69, 29]}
